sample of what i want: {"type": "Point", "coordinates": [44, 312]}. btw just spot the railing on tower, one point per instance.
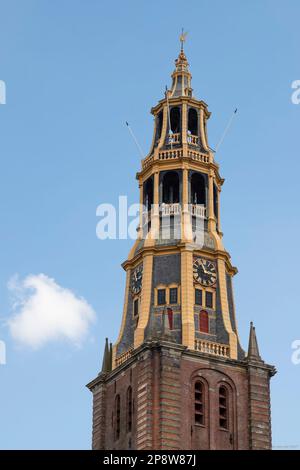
{"type": "Point", "coordinates": [193, 139]}
{"type": "Point", "coordinates": [209, 347]}
{"type": "Point", "coordinates": [177, 154]}
{"type": "Point", "coordinates": [198, 210]}
{"type": "Point", "coordinates": [171, 154]}
{"type": "Point", "coordinates": [174, 139]}
{"type": "Point", "coordinates": [170, 209]}
{"type": "Point", "coordinates": [123, 357]}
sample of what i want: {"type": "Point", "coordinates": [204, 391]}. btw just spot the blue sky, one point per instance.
{"type": "Point", "coordinates": [74, 72]}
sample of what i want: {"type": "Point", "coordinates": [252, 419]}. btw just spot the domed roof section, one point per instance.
{"type": "Point", "coordinates": [181, 84]}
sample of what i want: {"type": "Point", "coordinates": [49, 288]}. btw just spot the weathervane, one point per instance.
{"type": "Point", "coordinates": [182, 38]}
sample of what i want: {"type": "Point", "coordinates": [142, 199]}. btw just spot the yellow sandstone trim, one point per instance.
{"type": "Point", "coordinates": [211, 214]}
{"type": "Point", "coordinates": [140, 231]}
{"type": "Point", "coordinates": [202, 130]}
{"type": "Point", "coordinates": [132, 251]}
{"type": "Point", "coordinates": [145, 300]}
{"type": "Point", "coordinates": [127, 293]}
{"type": "Point", "coordinates": [164, 129]}
{"type": "Point", "coordinates": [186, 226]}
{"type": "Point", "coordinates": [225, 309]}
{"type": "Point", "coordinates": [187, 298]}
{"type": "Point", "coordinates": [153, 234]}
{"type": "Point", "coordinates": [184, 124]}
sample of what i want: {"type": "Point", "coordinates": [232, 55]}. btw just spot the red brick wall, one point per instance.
{"type": "Point", "coordinates": [259, 408]}
{"type": "Point", "coordinates": [99, 394]}
{"type": "Point", "coordinates": [118, 384]}
{"type": "Point", "coordinates": [143, 394]}
{"type": "Point", "coordinates": [162, 377]}
{"type": "Point", "coordinates": [214, 374]}
{"type": "Point", "coordinates": [167, 431]}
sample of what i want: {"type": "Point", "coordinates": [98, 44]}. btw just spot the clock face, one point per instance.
{"type": "Point", "coordinates": [136, 280]}
{"type": "Point", "coordinates": [204, 271]}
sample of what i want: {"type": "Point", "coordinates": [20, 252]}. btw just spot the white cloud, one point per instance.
{"type": "Point", "coordinates": [44, 312]}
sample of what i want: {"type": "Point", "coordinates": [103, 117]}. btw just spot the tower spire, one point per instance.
{"type": "Point", "coordinates": [253, 351]}
{"type": "Point", "coordinates": [181, 77]}
{"type": "Point", "coordinates": [178, 338]}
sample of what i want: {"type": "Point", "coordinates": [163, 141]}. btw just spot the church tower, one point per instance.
{"type": "Point", "coordinates": [177, 376]}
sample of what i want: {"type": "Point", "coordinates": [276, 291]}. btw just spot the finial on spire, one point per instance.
{"type": "Point", "coordinates": [182, 38]}
{"type": "Point", "coordinates": [181, 85]}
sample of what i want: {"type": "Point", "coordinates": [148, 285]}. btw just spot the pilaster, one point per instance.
{"type": "Point", "coordinates": [187, 297]}
{"type": "Point", "coordinates": [260, 437]}
{"type": "Point", "coordinates": [99, 407]}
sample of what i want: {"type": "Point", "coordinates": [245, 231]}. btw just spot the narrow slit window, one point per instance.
{"type": "Point", "coordinates": [117, 415]}
{"type": "Point", "coordinates": [175, 119]}
{"type": "Point", "coordinates": [223, 407]}
{"type": "Point", "coordinates": [136, 307]}
{"type": "Point", "coordinates": [199, 403]}
{"type": "Point", "coordinates": [129, 410]}
{"type": "Point", "coordinates": [193, 121]}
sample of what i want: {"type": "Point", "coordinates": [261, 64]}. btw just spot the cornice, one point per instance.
{"type": "Point", "coordinates": [157, 344]}
{"type": "Point", "coordinates": [178, 248]}
{"type": "Point", "coordinates": [180, 100]}
{"type": "Point", "coordinates": [180, 163]}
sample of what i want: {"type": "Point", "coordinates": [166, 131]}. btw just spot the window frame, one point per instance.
{"type": "Point", "coordinates": [167, 288]}
{"type": "Point", "coordinates": [163, 289]}
{"type": "Point", "coordinates": [204, 291]}
{"type": "Point", "coordinates": [199, 401]}
{"type": "Point", "coordinates": [129, 409]}
{"type": "Point", "coordinates": [211, 294]}
{"type": "Point", "coordinates": [117, 417]}
{"type": "Point", "coordinates": [173, 289]}
{"type": "Point", "coordinates": [225, 407]}
{"type": "Point", "coordinates": [200, 291]}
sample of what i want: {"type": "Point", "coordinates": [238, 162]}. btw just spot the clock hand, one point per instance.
{"type": "Point", "coordinates": [206, 272]}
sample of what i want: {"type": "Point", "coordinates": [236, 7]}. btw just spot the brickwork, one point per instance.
{"type": "Point", "coordinates": [259, 407]}
{"type": "Point", "coordinates": [99, 400]}
{"type": "Point", "coordinates": [162, 376]}
{"type": "Point", "coordinates": [143, 400]}
{"type": "Point", "coordinates": [169, 399]}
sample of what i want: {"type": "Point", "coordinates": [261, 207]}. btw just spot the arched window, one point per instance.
{"type": "Point", "coordinates": [117, 418]}
{"type": "Point", "coordinates": [193, 121]}
{"type": "Point", "coordinates": [148, 193]}
{"type": "Point", "coordinates": [203, 322]}
{"type": "Point", "coordinates": [198, 189]}
{"type": "Point", "coordinates": [129, 409]}
{"type": "Point", "coordinates": [159, 123]}
{"type": "Point", "coordinates": [216, 202]}
{"type": "Point", "coordinates": [171, 187]}
{"type": "Point", "coordinates": [175, 120]}
{"type": "Point", "coordinates": [223, 407]}
{"type": "Point", "coordinates": [199, 403]}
